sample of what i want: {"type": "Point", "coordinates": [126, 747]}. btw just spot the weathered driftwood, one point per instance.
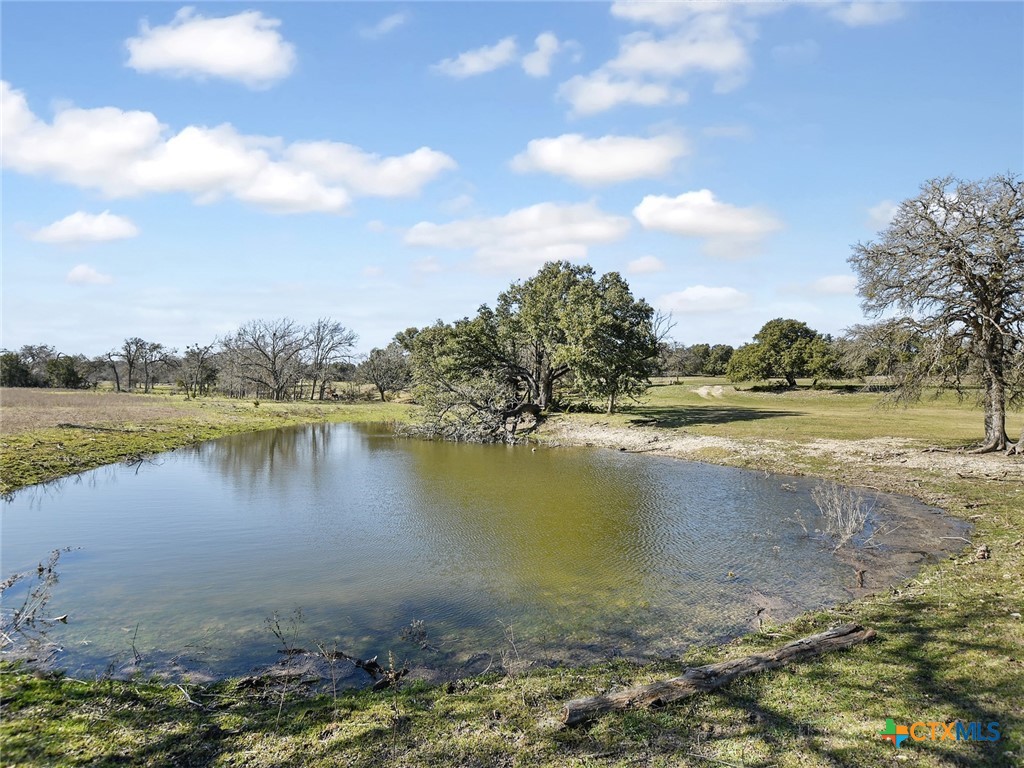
{"type": "Point", "coordinates": [712, 676]}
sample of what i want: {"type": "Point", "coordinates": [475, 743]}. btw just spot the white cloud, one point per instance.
{"type": "Point", "coordinates": [525, 238]}
{"type": "Point", "coordinates": [83, 274]}
{"type": "Point", "coordinates": [645, 265]}
{"type": "Point", "coordinates": [864, 14]}
{"type": "Point", "coordinates": [384, 26]}
{"type": "Point", "coordinates": [803, 52]}
{"type": "Point", "coordinates": [372, 272]}
{"type": "Point", "coordinates": [880, 216]}
{"type": "Point", "coordinates": [709, 43]}
{"type": "Point", "coordinates": [538, 63]}
{"type": "Point", "coordinates": [728, 231]}
{"type": "Point", "coordinates": [664, 14]}
{"type": "Point", "coordinates": [600, 91]}
{"type": "Point", "coordinates": [369, 174]}
{"type": "Point", "coordinates": [835, 285]}
{"type": "Point", "coordinates": [696, 38]}
{"type": "Point", "coordinates": [702, 298]}
{"type": "Point", "coordinates": [129, 153]}
{"type": "Point", "coordinates": [376, 225]}
{"type": "Point", "coordinates": [607, 160]}
{"type": "Point", "coordinates": [480, 60]}
{"type": "Point", "coordinates": [245, 47]}
{"type": "Point", "coordinates": [81, 227]}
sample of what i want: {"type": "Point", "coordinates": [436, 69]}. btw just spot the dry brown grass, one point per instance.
{"type": "Point", "coordinates": [24, 410]}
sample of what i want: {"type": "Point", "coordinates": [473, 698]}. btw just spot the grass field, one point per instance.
{"type": "Point", "coordinates": [950, 642]}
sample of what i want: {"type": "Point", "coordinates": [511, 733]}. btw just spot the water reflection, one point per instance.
{"type": "Point", "coordinates": [583, 552]}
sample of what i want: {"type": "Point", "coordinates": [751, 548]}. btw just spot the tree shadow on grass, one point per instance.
{"type": "Point", "coordinates": [692, 416]}
{"type": "Point", "coordinates": [915, 671]}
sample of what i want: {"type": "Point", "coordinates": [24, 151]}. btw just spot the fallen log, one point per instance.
{"type": "Point", "coordinates": [713, 676]}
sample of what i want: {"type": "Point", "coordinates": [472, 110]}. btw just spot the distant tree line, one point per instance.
{"type": "Point", "coordinates": [264, 359]}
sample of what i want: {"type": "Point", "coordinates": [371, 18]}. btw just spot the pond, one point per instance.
{"type": "Point", "coordinates": [208, 561]}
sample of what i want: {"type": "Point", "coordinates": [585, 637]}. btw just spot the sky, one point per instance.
{"type": "Point", "coordinates": [173, 171]}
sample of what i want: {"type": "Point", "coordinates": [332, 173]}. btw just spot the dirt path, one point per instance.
{"type": "Point", "coordinates": [874, 452]}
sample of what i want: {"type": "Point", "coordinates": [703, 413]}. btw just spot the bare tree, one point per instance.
{"type": "Point", "coordinates": [329, 342]}
{"type": "Point", "coordinates": [111, 358]}
{"type": "Point", "coordinates": [952, 261]}
{"type": "Point", "coordinates": [131, 352]}
{"type": "Point", "coordinates": [268, 354]}
{"type": "Point", "coordinates": [198, 372]}
{"type": "Point", "coordinates": [387, 369]}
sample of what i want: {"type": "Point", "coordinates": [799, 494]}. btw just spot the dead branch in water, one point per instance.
{"type": "Point", "coordinates": [713, 676]}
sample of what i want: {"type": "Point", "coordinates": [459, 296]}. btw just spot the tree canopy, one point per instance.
{"type": "Point", "coordinates": [561, 323]}
{"type": "Point", "coordinates": [951, 264]}
{"type": "Point", "coordinates": [783, 349]}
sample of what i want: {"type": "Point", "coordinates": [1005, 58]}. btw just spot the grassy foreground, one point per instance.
{"type": "Point", "coordinates": [950, 642]}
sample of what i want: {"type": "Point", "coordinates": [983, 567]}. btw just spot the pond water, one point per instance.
{"type": "Point", "coordinates": [447, 555]}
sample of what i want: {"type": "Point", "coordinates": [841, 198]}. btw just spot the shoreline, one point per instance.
{"type": "Point", "coordinates": [959, 619]}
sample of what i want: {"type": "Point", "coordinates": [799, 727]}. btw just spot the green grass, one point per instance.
{"type": "Point", "coordinates": [949, 646]}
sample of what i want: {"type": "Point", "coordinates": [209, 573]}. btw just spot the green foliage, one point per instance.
{"type": "Point", "coordinates": [611, 345]}
{"type": "Point", "coordinates": [784, 349]}
{"type": "Point", "coordinates": [15, 372]}
{"type": "Point", "coordinates": [559, 322]}
{"type": "Point", "coordinates": [62, 372]}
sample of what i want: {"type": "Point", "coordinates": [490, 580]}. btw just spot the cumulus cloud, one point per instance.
{"type": "Point", "coordinates": [538, 63]}
{"type": "Point", "coordinates": [81, 227]}
{"type": "Point", "coordinates": [524, 238]}
{"type": "Point", "coordinates": [709, 43]}
{"type": "Point", "coordinates": [480, 60]}
{"type": "Point", "coordinates": [370, 174]}
{"type": "Point", "coordinates": [600, 91]}
{"type": "Point", "coordinates": [607, 160]}
{"type": "Point", "coordinates": [866, 14]}
{"type": "Point", "coordinates": [880, 216]}
{"type": "Point", "coordinates": [130, 153]}
{"type": "Point", "coordinates": [645, 265]}
{"type": "Point", "coordinates": [245, 47]}
{"type": "Point", "coordinates": [708, 39]}
{"type": "Point", "coordinates": [728, 231]}
{"type": "Point", "coordinates": [703, 298]}
{"type": "Point", "coordinates": [835, 285]}
{"type": "Point", "coordinates": [384, 26]}
{"type": "Point", "coordinates": [83, 274]}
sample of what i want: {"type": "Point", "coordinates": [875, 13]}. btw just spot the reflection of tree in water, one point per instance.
{"type": "Point", "coordinates": [277, 459]}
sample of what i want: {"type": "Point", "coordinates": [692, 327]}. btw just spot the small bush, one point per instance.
{"type": "Point", "coordinates": [845, 511]}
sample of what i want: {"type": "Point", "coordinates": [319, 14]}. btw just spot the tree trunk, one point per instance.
{"type": "Point", "coordinates": [117, 377]}
{"type": "Point", "coordinates": [790, 379]}
{"type": "Point", "coordinates": [382, 398]}
{"type": "Point", "coordinates": [611, 403]}
{"type": "Point", "coordinates": [713, 676]}
{"type": "Point", "coordinates": [995, 409]}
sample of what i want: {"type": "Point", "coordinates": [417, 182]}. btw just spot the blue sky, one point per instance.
{"type": "Point", "coordinates": [173, 171]}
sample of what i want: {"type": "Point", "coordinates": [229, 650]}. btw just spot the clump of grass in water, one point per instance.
{"type": "Point", "coordinates": [845, 511]}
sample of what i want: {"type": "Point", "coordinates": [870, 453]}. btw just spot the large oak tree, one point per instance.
{"type": "Point", "coordinates": [951, 263]}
